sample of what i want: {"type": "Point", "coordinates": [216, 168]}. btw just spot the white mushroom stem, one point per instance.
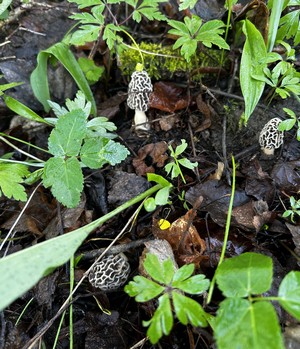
{"type": "Point", "coordinates": [141, 121]}
{"type": "Point", "coordinates": [268, 151]}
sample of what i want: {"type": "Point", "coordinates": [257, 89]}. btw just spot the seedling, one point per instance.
{"type": "Point", "coordinates": [295, 209]}
{"type": "Point", "coordinates": [169, 284]}
{"type": "Point", "coordinates": [74, 143]}
{"type": "Point", "coordinates": [174, 167]}
{"type": "Point", "coordinates": [288, 124]}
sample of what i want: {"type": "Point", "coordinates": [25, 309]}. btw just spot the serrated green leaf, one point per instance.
{"type": "Point", "coordinates": [85, 3]}
{"type": "Point", "coordinates": [196, 284]}
{"type": "Point", "coordinates": [183, 273]}
{"type": "Point", "coordinates": [65, 179]}
{"type": "Point", "coordinates": [253, 62]}
{"type": "Point", "coordinates": [289, 26]}
{"type": "Point", "coordinates": [87, 18]}
{"type": "Point", "coordinates": [289, 293]}
{"type": "Point", "coordinates": [96, 152]}
{"type": "Point", "coordinates": [210, 33]}
{"type": "Point", "coordinates": [162, 320]}
{"type": "Point", "coordinates": [68, 134]}
{"type": "Point", "coordinates": [245, 275]}
{"type": "Point", "coordinates": [99, 127]}
{"type": "Point", "coordinates": [79, 102]}
{"type": "Point", "coordinates": [85, 33]}
{"type": "Point", "coordinates": [109, 35]}
{"type": "Point", "coordinates": [240, 324]}
{"type": "Point", "coordinates": [161, 272]}
{"type": "Point", "coordinates": [92, 72]}
{"type": "Point", "coordinates": [188, 311]}
{"type": "Point", "coordinates": [185, 4]}
{"type": "Point", "coordinates": [11, 175]}
{"type": "Point", "coordinates": [143, 289]}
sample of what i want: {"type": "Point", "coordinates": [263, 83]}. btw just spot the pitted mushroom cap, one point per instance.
{"type": "Point", "coordinates": [139, 90]}
{"type": "Point", "coordinates": [110, 273]}
{"type": "Point", "coordinates": [270, 137]}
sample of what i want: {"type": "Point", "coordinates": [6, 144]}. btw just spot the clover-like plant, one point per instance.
{"type": "Point", "coordinates": [170, 285]}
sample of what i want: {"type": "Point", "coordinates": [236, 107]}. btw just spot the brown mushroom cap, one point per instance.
{"type": "Point", "coordinates": [270, 137]}
{"type": "Point", "coordinates": [110, 273]}
{"type": "Point", "coordinates": [139, 90]}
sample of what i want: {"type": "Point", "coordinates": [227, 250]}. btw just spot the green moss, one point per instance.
{"type": "Point", "coordinates": [163, 62]}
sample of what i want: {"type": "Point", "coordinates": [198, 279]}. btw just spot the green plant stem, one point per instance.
{"type": "Point", "coordinates": [227, 228]}
{"type": "Point", "coordinates": [24, 142]}
{"type": "Point", "coordinates": [71, 339]}
{"type": "Point", "coordinates": [33, 164]}
{"type": "Point", "coordinates": [58, 330]}
{"type": "Point", "coordinates": [20, 150]}
{"type": "Point", "coordinates": [135, 44]}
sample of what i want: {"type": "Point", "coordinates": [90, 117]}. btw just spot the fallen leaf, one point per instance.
{"type": "Point", "coordinates": [149, 156]}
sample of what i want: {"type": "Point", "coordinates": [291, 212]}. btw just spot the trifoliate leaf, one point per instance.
{"type": "Point", "coordinates": [143, 289]}
{"type": "Point", "coordinates": [65, 179]}
{"type": "Point", "coordinates": [188, 311]}
{"type": "Point", "coordinates": [162, 320]}
{"type": "Point", "coordinates": [67, 136]}
{"type": "Point", "coordinates": [11, 175]}
{"type": "Point", "coordinates": [96, 152]}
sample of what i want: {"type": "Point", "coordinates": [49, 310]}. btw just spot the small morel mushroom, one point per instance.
{"type": "Point", "coordinates": [139, 90]}
{"type": "Point", "coordinates": [270, 137]}
{"type": "Point", "coordinates": [110, 273]}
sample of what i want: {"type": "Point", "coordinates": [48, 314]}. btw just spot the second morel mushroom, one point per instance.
{"type": "Point", "coordinates": [110, 273]}
{"type": "Point", "coordinates": [139, 90]}
{"type": "Point", "coordinates": [270, 137]}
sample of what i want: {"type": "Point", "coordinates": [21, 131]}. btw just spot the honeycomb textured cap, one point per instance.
{"type": "Point", "coordinates": [270, 137]}
{"type": "Point", "coordinates": [110, 273]}
{"type": "Point", "coordinates": [139, 90]}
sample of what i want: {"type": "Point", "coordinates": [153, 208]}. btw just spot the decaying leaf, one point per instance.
{"type": "Point", "coordinates": [184, 238]}
{"type": "Point", "coordinates": [168, 97]}
{"type": "Point", "coordinates": [150, 155]}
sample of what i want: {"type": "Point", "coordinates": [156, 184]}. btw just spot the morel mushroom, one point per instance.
{"type": "Point", "coordinates": [110, 273]}
{"type": "Point", "coordinates": [139, 90]}
{"type": "Point", "coordinates": [270, 137]}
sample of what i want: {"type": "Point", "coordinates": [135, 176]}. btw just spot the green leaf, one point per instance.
{"type": "Point", "coordinates": [210, 33]}
{"type": "Point", "coordinates": [11, 175]}
{"type": "Point", "coordinates": [4, 5]}
{"type": "Point", "coordinates": [22, 109]}
{"type": "Point", "coordinates": [109, 35]}
{"type": "Point", "coordinates": [92, 72]}
{"type": "Point", "coordinates": [286, 125]}
{"type": "Point", "coordinates": [143, 289]}
{"type": "Point", "coordinates": [152, 177]}
{"type": "Point", "coordinates": [150, 205]}
{"type": "Point", "coordinates": [4, 87]}
{"type": "Point", "coordinates": [180, 148]}
{"type": "Point", "coordinates": [85, 3]}
{"type": "Point", "coordinates": [240, 324]}
{"type": "Point", "coordinates": [161, 272]}
{"type": "Point", "coordinates": [245, 275]}
{"type": "Point", "coordinates": [96, 152]}
{"type": "Point", "coordinates": [183, 273]}
{"type": "Point", "coordinates": [162, 320]}
{"type": "Point", "coordinates": [65, 179]}
{"type": "Point", "coordinates": [196, 284]}
{"type": "Point", "coordinates": [20, 271]}
{"type": "Point", "coordinates": [187, 163]}
{"type": "Point", "coordinates": [162, 196]}
{"type": "Point", "coordinates": [188, 311]}
{"type": "Point", "coordinates": [290, 27]}
{"type": "Point", "coordinates": [39, 79]}
{"type": "Point", "coordinates": [33, 177]}
{"type": "Point", "coordinates": [185, 4]}
{"type": "Point", "coordinates": [289, 293]}
{"type": "Point", "coordinates": [85, 33]}
{"type": "Point", "coordinates": [252, 63]}
{"type": "Point", "coordinates": [67, 136]}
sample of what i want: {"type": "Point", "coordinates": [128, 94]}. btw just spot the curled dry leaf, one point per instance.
{"type": "Point", "coordinates": [182, 235]}
{"type": "Point", "coordinates": [168, 97]}
{"type": "Point", "coordinates": [206, 111]}
{"type": "Point", "coordinates": [149, 156]}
